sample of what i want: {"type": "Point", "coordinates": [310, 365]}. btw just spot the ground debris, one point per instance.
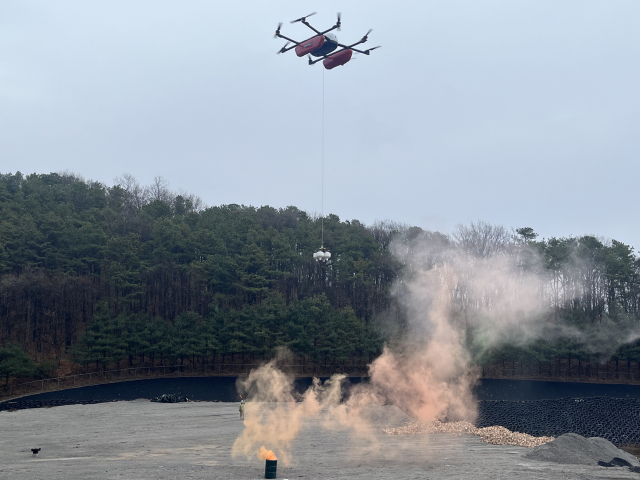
{"type": "Point", "coordinates": [495, 435]}
{"type": "Point", "coordinates": [171, 398]}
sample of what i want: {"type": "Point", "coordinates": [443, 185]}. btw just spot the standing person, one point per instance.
{"type": "Point", "coordinates": [241, 409]}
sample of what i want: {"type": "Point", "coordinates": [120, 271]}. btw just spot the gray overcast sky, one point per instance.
{"type": "Point", "coordinates": [520, 113]}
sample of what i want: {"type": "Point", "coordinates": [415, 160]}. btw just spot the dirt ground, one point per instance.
{"type": "Point", "coordinates": [143, 440]}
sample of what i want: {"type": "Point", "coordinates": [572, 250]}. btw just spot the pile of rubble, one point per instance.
{"type": "Point", "coordinates": [495, 435]}
{"type": "Point", "coordinates": [171, 398]}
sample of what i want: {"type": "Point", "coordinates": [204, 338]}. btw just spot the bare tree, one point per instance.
{"type": "Point", "coordinates": [384, 231]}
{"type": "Point", "coordinates": [481, 239]}
{"type": "Point", "coordinates": [134, 193]}
{"type": "Point", "coordinates": [159, 191]}
{"type": "Point", "coordinates": [194, 201]}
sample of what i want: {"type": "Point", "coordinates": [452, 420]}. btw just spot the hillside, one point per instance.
{"type": "Point", "coordinates": [109, 276]}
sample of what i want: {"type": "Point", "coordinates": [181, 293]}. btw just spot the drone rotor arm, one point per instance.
{"type": "Point", "coordinates": [352, 45]}
{"type": "Point", "coordinates": [312, 62]}
{"type": "Point", "coordinates": [285, 49]}
{"type": "Point", "coordinates": [329, 29]}
{"type": "Point", "coordinates": [278, 30]}
{"type": "Point", "coordinates": [312, 28]}
{"type": "Point", "coordinates": [302, 19]}
{"type": "Point", "coordinates": [344, 47]}
{"type": "Point", "coordinates": [288, 39]}
{"type": "Point", "coordinates": [362, 40]}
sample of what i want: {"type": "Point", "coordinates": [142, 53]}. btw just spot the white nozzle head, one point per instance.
{"type": "Point", "coordinates": [322, 254]}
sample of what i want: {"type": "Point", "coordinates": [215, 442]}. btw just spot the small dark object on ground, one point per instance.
{"type": "Point", "coordinates": [171, 398]}
{"type": "Point", "coordinates": [615, 462]}
{"type": "Point", "coordinates": [35, 450]}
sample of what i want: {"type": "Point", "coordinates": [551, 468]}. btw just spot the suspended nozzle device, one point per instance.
{"type": "Point", "coordinates": [322, 255]}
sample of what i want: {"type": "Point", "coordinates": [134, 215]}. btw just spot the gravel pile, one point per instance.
{"type": "Point", "coordinates": [575, 449]}
{"type": "Point", "coordinates": [502, 436]}
{"type": "Point", "coordinates": [616, 419]}
{"type": "Point", "coordinates": [495, 435]}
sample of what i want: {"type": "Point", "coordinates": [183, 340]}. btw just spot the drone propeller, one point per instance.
{"type": "Point", "coordinates": [302, 19]}
{"type": "Point", "coordinates": [370, 49]}
{"type": "Point", "coordinates": [283, 48]}
{"type": "Point", "coordinates": [338, 23]}
{"type": "Point", "coordinates": [366, 35]}
{"type": "Point", "coordinates": [278, 30]}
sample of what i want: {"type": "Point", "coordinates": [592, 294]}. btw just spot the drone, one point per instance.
{"type": "Point", "coordinates": [323, 45]}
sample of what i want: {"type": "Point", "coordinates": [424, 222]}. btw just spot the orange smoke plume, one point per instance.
{"type": "Point", "coordinates": [273, 416]}
{"type": "Point", "coordinates": [265, 454]}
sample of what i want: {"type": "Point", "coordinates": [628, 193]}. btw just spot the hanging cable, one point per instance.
{"type": "Point", "coordinates": [323, 254]}
{"type": "Point", "coordinates": [322, 168]}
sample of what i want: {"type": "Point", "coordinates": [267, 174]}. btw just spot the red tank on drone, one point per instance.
{"type": "Point", "coordinates": [338, 59]}
{"type": "Point", "coordinates": [323, 45]}
{"type": "Point", "coordinates": [310, 46]}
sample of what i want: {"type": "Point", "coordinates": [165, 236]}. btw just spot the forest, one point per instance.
{"type": "Point", "coordinates": [110, 276]}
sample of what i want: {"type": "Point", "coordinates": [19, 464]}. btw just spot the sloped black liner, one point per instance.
{"type": "Point", "coordinates": [212, 389]}
{"type": "Point", "coordinates": [506, 389]}
{"type": "Point", "coordinates": [616, 419]}
{"type": "Point", "coordinates": [24, 404]}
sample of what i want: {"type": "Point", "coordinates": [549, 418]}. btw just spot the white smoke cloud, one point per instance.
{"type": "Point", "coordinates": [458, 306]}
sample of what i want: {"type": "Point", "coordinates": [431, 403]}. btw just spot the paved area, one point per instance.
{"type": "Point", "coordinates": [143, 440]}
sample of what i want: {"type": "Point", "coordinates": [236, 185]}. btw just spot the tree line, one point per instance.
{"type": "Point", "coordinates": [73, 253]}
{"type": "Point", "coordinates": [108, 275]}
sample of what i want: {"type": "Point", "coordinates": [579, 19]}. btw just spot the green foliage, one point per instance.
{"type": "Point", "coordinates": [123, 274]}
{"type": "Point", "coordinates": [526, 233]}
{"type": "Point", "coordinates": [105, 341]}
{"type": "Point", "coordinates": [14, 362]}
{"type": "Point", "coordinates": [45, 369]}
